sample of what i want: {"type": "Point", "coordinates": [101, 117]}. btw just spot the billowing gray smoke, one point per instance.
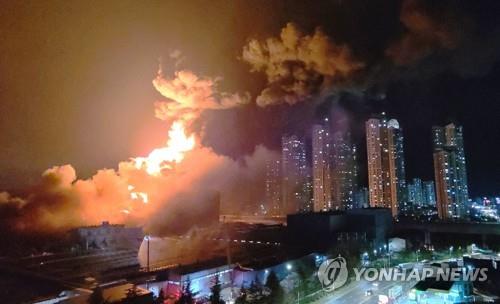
{"type": "Point", "coordinates": [299, 66]}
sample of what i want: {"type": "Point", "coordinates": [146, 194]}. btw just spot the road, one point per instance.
{"type": "Point", "coordinates": [355, 292]}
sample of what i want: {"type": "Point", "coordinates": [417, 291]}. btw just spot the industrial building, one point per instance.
{"type": "Point", "coordinates": [316, 230]}
{"type": "Point", "coordinates": [108, 236]}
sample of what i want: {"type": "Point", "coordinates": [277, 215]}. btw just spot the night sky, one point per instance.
{"type": "Point", "coordinates": [75, 78]}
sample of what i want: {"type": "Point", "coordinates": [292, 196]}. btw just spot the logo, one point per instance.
{"type": "Point", "coordinates": [468, 274]}
{"type": "Point", "coordinates": [332, 273]}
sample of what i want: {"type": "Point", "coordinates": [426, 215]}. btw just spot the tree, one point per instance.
{"type": "Point", "coordinates": [255, 288]}
{"type": "Point", "coordinates": [161, 297]}
{"type": "Point", "coordinates": [277, 295]}
{"type": "Point", "coordinates": [242, 298]}
{"type": "Point", "coordinates": [132, 295]}
{"type": "Point", "coordinates": [302, 284]}
{"type": "Point", "coordinates": [96, 297]}
{"type": "Point", "coordinates": [215, 292]}
{"type": "Point", "coordinates": [187, 295]}
{"type": "Point", "coordinates": [132, 292]}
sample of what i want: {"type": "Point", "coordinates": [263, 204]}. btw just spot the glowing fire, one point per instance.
{"type": "Point", "coordinates": [162, 158]}
{"type": "Point", "coordinates": [136, 195]}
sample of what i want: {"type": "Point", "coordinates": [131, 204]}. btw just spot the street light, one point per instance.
{"type": "Point", "coordinates": [288, 266]}
{"type": "Point", "coordinates": [365, 258]}
{"type": "Point", "coordinates": [418, 251]}
{"type": "Point", "coordinates": [147, 238]}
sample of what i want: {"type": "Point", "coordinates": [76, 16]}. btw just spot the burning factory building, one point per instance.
{"type": "Point", "coordinates": [108, 236]}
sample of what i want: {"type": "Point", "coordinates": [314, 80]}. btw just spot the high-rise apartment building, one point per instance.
{"type": "Point", "coordinates": [415, 192]}
{"type": "Point", "coordinates": [395, 133]}
{"type": "Point", "coordinates": [294, 173]}
{"type": "Point", "coordinates": [386, 167]}
{"type": "Point", "coordinates": [344, 175]}
{"type": "Point", "coordinates": [321, 165]}
{"type": "Point", "coordinates": [450, 172]}
{"type": "Point", "coordinates": [273, 204]}
{"type": "Point", "coordinates": [361, 198]}
{"type": "Point", "coordinates": [429, 193]}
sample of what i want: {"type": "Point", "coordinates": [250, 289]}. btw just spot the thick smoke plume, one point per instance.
{"type": "Point", "coordinates": [170, 200]}
{"type": "Point", "coordinates": [188, 95]}
{"type": "Point", "coordinates": [197, 245]}
{"type": "Point", "coordinates": [426, 32]}
{"type": "Point", "coordinates": [299, 66]}
{"type": "Point", "coordinates": [160, 189]}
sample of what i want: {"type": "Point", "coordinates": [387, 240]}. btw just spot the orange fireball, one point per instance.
{"type": "Point", "coordinates": [162, 158]}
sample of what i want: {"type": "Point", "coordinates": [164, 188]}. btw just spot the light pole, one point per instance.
{"type": "Point", "coordinates": [147, 252]}
{"type": "Point", "coordinates": [386, 254]}
{"type": "Point", "coordinates": [451, 250]}
{"type": "Point", "coordinates": [147, 259]}
{"type": "Point", "coordinates": [390, 253]}
{"type": "Point", "coordinates": [418, 251]}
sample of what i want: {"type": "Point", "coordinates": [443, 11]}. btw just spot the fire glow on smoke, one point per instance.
{"type": "Point", "coordinates": [160, 159]}
{"type": "Point", "coordinates": [160, 191]}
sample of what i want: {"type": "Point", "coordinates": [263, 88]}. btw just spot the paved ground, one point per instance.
{"type": "Point", "coordinates": [72, 269]}
{"type": "Point", "coordinates": [355, 292]}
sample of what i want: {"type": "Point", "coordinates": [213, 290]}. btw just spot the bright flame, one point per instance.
{"type": "Point", "coordinates": [140, 196]}
{"type": "Point", "coordinates": [135, 195]}
{"type": "Point", "coordinates": [159, 159]}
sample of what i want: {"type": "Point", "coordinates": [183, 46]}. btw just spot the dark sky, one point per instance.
{"type": "Point", "coordinates": [75, 77]}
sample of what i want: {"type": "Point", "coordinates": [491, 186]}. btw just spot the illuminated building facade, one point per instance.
{"type": "Point", "coordinates": [344, 173]}
{"type": "Point", "coordinates": [321, 164]}
{"type": "Point", "coordinates": [415, 192]}
{"type": "Point", "coordinates": [361, 199]}
{"type": "Point", "coordinates": [450, 172]}
{"type": "Point", "coordinates": [273, 188]}
{"type": "Point", "coordinates": [429, 193]}
{"type": "Point", "coordinates": [294, 189]}
{"type": "Point", "coordinates": [386, 167]}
